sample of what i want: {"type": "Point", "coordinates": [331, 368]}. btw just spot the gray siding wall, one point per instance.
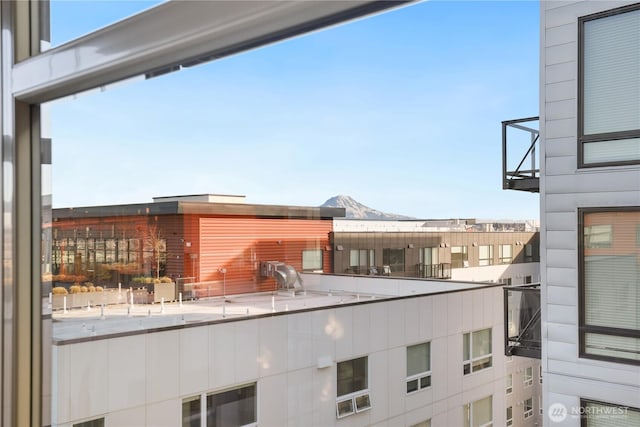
{"type": "Point", "coordinates": [563, 190]}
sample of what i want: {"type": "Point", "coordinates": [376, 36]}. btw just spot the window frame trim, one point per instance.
{"type": "Point", "coordinates": [584, 402]}
{"type": "Point", "coordinates": [581, 138]}
{"type": "Point", "coordinates": [583, 328]}
{"type": "Point", "coordinates": [420, 375]}
{"type": "Point", "coordinates": [473, 359]}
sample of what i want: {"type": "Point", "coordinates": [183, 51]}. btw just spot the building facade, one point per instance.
{"type": "Point", "coordinates": [408, 353]}
{"type": "Point", "coordinates": [590, 212]}
{"type": "Point", "coordinates": [218, 244]}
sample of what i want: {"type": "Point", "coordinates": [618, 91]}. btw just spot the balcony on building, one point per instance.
{"type": "Point", "coordinates": [434, 271]}
{"type": "Point", "coordinates": [522, 333]}
{"type": "Point", "coordinates": [520, 158]}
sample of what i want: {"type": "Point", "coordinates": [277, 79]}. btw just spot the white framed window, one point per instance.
{"type": "Point", "coordinates": [479, 413]}
{"type": "Point", "coordinates": [509, 388]}
{"type": "Point", "coordinates": [312, 259]}
{"type": "Point", "coordinates": [506, 254]}
{"type": "Point", "coordinates": [192, 411]}
{"type": "Point", "coordinates": [609, 87]}
{"type": "Point", "coordinates": [485, 255]}
{"type": "Point", "coordinates": [528, 252]}
{"type": "Point", "coordinates": [528, 376]}
{"type": "Point", "coordinates": [540, 407]}
{"type": "Point", "coordinates": [231, 407]}
{"type": "Point", "coordinates": [352, 387]}
{"type": "Point", "coordinates": [234, 407]}
{"type": "Point", "coordinates": [418, 367]}
{"type": "Point", "coordinates": [528, 408]}
{"type": "Point", "coordinates": [459, 257]}
{"type": "Point", "coordinates": [476, 351]}
{"type": "Point", "coordinates": [509, 416]}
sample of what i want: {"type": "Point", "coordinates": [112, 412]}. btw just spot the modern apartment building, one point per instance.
{"type": "Point", "coordinates": [451, 249]}
{"type": "Point", "coordinates": [217, 241]}
{"type": "Point", "coordinates": [589, 183]}
{"type": "Point", "coordinates": [357, 351]}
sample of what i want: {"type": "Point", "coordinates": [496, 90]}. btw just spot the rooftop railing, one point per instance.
{"type": "Point", "coordinates": [522, 333]}
{"type": "Point", "coordinates": [519, 140]}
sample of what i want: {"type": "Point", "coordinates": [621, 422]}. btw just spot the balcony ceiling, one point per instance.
{"type": "Point", "coordinates": [173, 35]}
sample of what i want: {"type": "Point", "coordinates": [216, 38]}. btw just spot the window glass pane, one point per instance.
{"type": "Point", "coordinates": [232, 408]}
{"type": "Point", "coordinates": [612, 73]}
{"type": "Point", "coordinates": [312, 259]}
{"type": "Point", "coordinates": [481, 343]}
{"type": "Point", "coordinates": [459, 256]}
{"type": "Point", "coordinates": [354, 258]}
{"type": "Point", "coordinates": [611, 281]}
{"type": "Point", "coordinates": [482, 412]}
{"type": "Point", "coordinates": [485, 255]}
{"type": "Point", "coordinates": [611, 151]}
{"type": "Point", "coordinates": [191, 412]}
{"type": "Point", "coordinates": [466, 355]}
{"type": "Point", "coordinates": [92, 423]}
{"type": "Point", "coordinates": [602, 415]}
{"type": "Point", "coordinates": [418, 359]}
{"type": "Point", "coordinates": [352, 376]}
{"type": "Point", "coordinates": [394, 258]}
{"type": "Point", "coordinates": [613, 346]}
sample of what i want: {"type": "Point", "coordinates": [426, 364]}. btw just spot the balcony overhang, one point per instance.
{"type": "Point", "coordinates": [526, 175]}
{"type": "Point", "coordinates": [522, 331]}
{"type": "Point", "coordinates": [174, 35]}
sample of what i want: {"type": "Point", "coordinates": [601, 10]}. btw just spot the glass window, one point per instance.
{"type": "Point", "coordinates": [235, 407]}
{"type": "Point", "coordinates": [509, 416]}
{"type": "Point", "coordinates": [479, 413]}
{"type": "Point", "coordinates": [609, 415]}
{"type": "Point", "coordinates": [99, 422]}
{"type": "Point", "coordinates": [610, 288]}
{"type": "Point", "coordinates": [312, 259]}
{"type": "Point", "coordinates": [528, 408]}
{"type": "Point", "coordinates": [426, 423]}
{"type": "Point", "coordinates": [476, 349]}
{"type": "Point", "coordinates": [485, 255]}
{"type": "Point", "coordinates": [598, 236]}
{"type": "Point", "coordinates": [459, 257]}
{"type": "Point", "coordinates": [528, 376]}
{"type": "Point", "coordinates": [394, 258]}
{"type": "Point", "coordinates": [528, 253]}
{"type": "Point", "coordinates": [509, 383]}
{"type": "Point", "coordinates": [506, 254]}
{"type": "Point", "coordinates": [352, 387]}
{"type": "Point", "coordinates": [418, 367]}
{"type": "Point", "coordinates": [610, 87]}
{"type": "Point", "coordinates": [191, 414]}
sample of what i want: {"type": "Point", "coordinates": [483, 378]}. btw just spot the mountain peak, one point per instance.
{"type": "Point", "coordinates": [357, 210]}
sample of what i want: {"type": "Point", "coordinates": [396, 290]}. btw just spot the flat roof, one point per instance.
{"type": "Point", "coordinates": [118, 320]}
{"type": "Point", "coordinates": [202, 208]}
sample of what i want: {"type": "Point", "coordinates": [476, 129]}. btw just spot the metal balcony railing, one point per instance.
{"type": "Point", "coordinates": [434, 271]}
{"type": "Point", "coordinates": [526, 175]}
{"type": "Point", "coordinates": [522, 333]}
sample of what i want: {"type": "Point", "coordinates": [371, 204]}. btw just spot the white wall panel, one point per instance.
{"type": "Point", "coordinates": [560, 53]}
{"type": "Point", "coordinates": [564, 109]}
{"type": "Point", "coordinates": [560, 35]}
{"type": "Point", "coordinates": [562, 72]}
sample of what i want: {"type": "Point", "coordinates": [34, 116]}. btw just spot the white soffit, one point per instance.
{"type": "Point", "coordinates": [175, 34]}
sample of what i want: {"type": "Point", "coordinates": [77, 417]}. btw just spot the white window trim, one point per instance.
{"type": "Point", "coordinates": [509, 421]}
{"type": "Point", "coordinates": [419, 377]}
{"type": "Point", "coordinates": [471, 361]}
{"type": "Point", "coordinates": [352, 397]}
{"type": "Point", "coordinates": [528, 413]}
{"type": "Point", "coordinates": [528, 377]}
{"type": "Point", "coordinates": [509, 388]}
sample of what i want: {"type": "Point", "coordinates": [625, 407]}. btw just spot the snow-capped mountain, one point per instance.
{"type": "Point", "coordinates": [357, 210]}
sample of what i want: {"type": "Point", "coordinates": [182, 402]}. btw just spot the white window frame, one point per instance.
{"type": "Point", "coordinates": [317, 254]}
{"type": "Point", "coordinates": [469, 408]}
{"type": "Point", "coordinates": [509, 420]}
{"type": "Point", "coordinates": [419, 377]}
{"type": "Point", "coordinates": [360, 400]}
{"type": "Point", "coordinates": [485, 261]}
{"type": "Point", "coordinates": [473, 358]}
{"type": "Point", "coordinates": [540, 373]}
{"type": "Point", "coordinates": [528, 408]}
{"type": "Point", "coordinates": [528, 376]}
{"type": "Point", "coordinates": [509, 388]}
{"type": "Point", "coordinates": [505, 259]}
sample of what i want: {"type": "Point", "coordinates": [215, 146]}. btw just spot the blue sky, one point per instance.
{"type": "Point", "coordinates": [401, 111]}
